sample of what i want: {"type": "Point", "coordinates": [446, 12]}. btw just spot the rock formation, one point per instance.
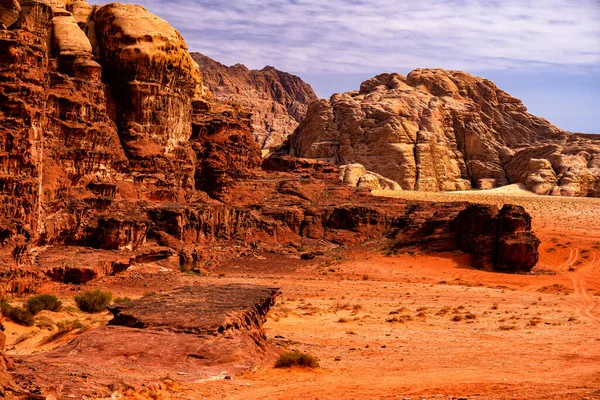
{"type": "Point", "coordinates": [201, 330]}
{"type": "Point", "coordinates": [277, 100]}
{"type": "Point", "coordinates": [437, 130]}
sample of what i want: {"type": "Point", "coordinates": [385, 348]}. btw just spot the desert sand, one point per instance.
{"type": "Point", "coordinates": [416, 326]}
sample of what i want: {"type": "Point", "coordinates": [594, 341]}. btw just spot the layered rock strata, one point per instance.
{"type": "Point", "coordinates": [438, 130]}
{"type": "Point", "coordinates": [277, 100]}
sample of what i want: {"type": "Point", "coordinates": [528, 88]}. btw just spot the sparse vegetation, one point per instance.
{"type": "Point", "coordinates": [18, 315]}
{"type": "Point", "coordinates": [69, 325]}
{"type": "Point", "coordinates": [507, 327]}
{"type": "Point", "coordinates": [93, 301]}
{"type": "Point", "coordinates": [557, 288]}
{"type": "Point", "coordinates": [443, 311]}
{"type": "Point", "coordinates": [43, 302]}
{"type": "Point", "coordinates": [120, 300]}
{"type": "Point", "coordinates": [401, 319]}
{"type": "Point", "coordinates": [294, 358]}
{"type": "Point", "coordinates": [44, 323]}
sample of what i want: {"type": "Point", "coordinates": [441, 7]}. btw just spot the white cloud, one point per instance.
{"type": "Point", "coordinates": [353, 36]}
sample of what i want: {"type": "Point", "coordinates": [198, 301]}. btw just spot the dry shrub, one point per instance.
{"type": "Point", "coordinates": [294, 358]}
{"type": "Point", "coordinates": [43, 302]}
{"type": "Point", "coordinates": [93, 301]}
{"type": "Point", "coordinates": [18, 315]}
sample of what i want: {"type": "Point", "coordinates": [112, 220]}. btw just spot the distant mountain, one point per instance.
{"type": "Point", "coordinates": [437, 130]}
{"type": "Point", "coordinates": [277, 100]}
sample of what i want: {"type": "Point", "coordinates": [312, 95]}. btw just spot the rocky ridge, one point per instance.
{"type": "Point", "coordinates": [438, 130]}
{"type": "Point", "coordinates": [277, 100]}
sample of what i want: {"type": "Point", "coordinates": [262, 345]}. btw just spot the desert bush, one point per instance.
{"type": "Point", "coordinates": [18, 315]}
{"type": "Point", "coordinates": [443, 311]}
{"type": "Point", "coordinates": [119, 300]}
{"type": "Point", "coordinates": [457, 318]}
{"type": "Point", "coordinates": [289, 359]}
{"type": "Point", "coordinates": [507, 327]}
{"type": "Point", "coordinates": [42, 302]}
{"type": "Point", "coordinates": [44, 323]}
{"type": "Point", "coordinates": [93, 301]}
{"type": "Point", "coordinates": [69, 325]}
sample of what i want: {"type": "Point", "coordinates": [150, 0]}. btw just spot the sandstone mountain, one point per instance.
{"type": "Point", "coordinates": [277, 100]}
{"type": "Point", "coordinates": [437, 130]}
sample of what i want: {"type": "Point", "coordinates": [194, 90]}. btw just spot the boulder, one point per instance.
{"type": "Point", "coordinates": [357, 175]}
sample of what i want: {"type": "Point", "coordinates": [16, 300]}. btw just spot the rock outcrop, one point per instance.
{"type": "Point", "coordinates": [499, 240]}
{"type": "Point", "coordinates": [438, 130]}
{"type": "Point", "coordinates": [201, 330]}
{"type": "Point", "coordinates": [277, 100]}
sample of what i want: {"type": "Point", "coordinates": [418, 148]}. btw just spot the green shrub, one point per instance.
{"type": "Point", "coordinates": [289, 359]}
{"type": "Point", "coordinates": [43, 302]}
{"type": "Point", "coordinates": [93, 301]}
{"type": "Point", "coordinates": [18, 315]}
{"type": "Point", "coordinates": [122, 300]}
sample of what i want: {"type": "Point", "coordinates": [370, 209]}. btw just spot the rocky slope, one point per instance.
{"type": "Point", "coordinates": [438, 130]}
{"type": "Point", "coordinates": [277, 100]}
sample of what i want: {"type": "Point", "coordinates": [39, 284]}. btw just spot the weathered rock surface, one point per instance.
{"type": "Point", "coordinates": [499, 240]}
{"type": "Point", "coordinates": [437, 130]}
{"type": "Point", "coordinates": [200, 310]}
{"type": "Point", "coordinates": [277, 100]}
{"type": "Point", "coordinates": [196, 332]}
{"type": "Point", "coordinates": [357, 175]}
{"type": "Point", "coordinates": [104, 112]}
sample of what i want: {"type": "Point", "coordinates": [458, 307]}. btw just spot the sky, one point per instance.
{"type": "Point", "coordinates": [545, 52]}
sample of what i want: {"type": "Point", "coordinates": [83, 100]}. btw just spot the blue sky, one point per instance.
{"type": "Point", "coordinates": [546, 52]}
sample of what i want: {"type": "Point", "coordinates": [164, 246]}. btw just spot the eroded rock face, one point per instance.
{"type": "Point", "coordinates": [201, 310]}
{"type": "Point", "coordinates": [499, 240]}
{"type": "Point", "coordinates": [277, 100]}
{"type": "Point", "coordinates": [438, 130]}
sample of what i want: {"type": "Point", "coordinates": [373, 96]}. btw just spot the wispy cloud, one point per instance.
{"type": "Point", "coordinates": [354, 36]}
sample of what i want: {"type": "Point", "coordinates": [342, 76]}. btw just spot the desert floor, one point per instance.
{"type": "Point", "coordinates": [418, 326]}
